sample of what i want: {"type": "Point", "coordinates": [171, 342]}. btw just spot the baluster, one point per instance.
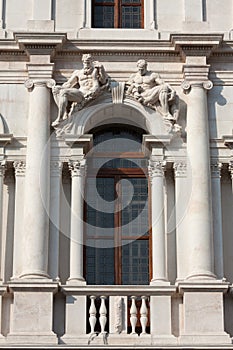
{"type": "Point", "coordinates": [92, 312]}
{"type": "Point", "coordinates": [103, 313]}
{"type": "Point", "coordinates": [143, 313]}
{"type": "Point", "coordinates": [133, 314]}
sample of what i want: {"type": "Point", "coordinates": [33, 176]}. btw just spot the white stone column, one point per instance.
{"type": "Point", "coordinates": [156, 173]}
{"type": "Point", "coordinates": [181, 200]}
{"type": "Point", "coordinates": [2, 173]}
{"type": "Point", "coordinates": [54, 216]}
{"type": "Point", "coordinates": [199, 215]}
{"type": "Point", "coordinates": [36, 203]}
{"type": "Point", "coordinates": [20, 167]}
{"type": "Point", "coordinates": [78, 169]}
{"type": "Point", "coordinates": [217, 219]}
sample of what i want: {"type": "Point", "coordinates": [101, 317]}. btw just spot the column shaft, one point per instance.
{"type": "Point", "coordinates": [200, 235]}
{"type": "Point", "coordinates": [156, 171]}
{"type": "Point", "coordinates": [54, 228]}
{"type": "Point", "coordinates": [18, 222]}
{"type": "Point", "coordinates": [182, 193]}
{"type": "Point", "coordinates": [2, 172]}
{"type": "Point", "coordinates": [217, 219]}
{"type": "Point", "coordinates": [36, 204]}
{"type": "Point", "coordinates": [76, 226]}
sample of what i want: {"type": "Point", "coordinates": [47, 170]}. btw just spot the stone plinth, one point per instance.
{"type": "Point", "coordinates": [32, 313]}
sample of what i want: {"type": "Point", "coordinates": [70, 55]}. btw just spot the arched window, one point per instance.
{"type": "Point", "coordinates": [117, 13]}
{"type": "Point", "coordinates": [117, 235]}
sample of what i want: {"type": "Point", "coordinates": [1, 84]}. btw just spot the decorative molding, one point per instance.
{"type": "Point", "coordinates": [117, 89]}
{"type": "Point", "coordinates": [77, 167]}
{"type": "Point", "coordinates": [20, 167]}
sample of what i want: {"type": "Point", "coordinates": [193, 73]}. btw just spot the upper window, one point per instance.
{"type": "Point", "coordinates": [117, 13]}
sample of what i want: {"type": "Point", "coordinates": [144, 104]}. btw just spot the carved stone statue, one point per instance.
{"type": "Point", "coordinates": [84, 85]}
{"type": "Point", "coordinates": [148, 88]}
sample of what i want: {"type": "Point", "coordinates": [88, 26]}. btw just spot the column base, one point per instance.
{"type": "Point", "coordinates": [76, 281]}
{"type": "Point", "coordinates": [201, 276]}
{"type": "Point", "coordinates": [34, 275]}
{"type": "Point", "coordinates": [157, 282]}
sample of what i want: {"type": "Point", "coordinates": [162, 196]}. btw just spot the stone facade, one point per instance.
{"type": "Point", "coordinates": [173, 80]}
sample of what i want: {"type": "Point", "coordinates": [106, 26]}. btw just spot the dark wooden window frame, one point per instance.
{"type": "Point", "coordinates": [117, 174]}
{"type": "Point", "coordinates": [118, 11]}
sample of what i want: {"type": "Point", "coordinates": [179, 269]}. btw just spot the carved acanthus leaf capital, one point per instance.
{"type": "Point", "coordinates": [30, 84]}
{"type": "Point", "coordinates": [56, 168]}
{"type": "Point", "coordinates": [180, 169]}
{"type": "Point", "coordinates": [156, 168]}
{"type": "Point", "coordinates": [20, 167]}
{"type": "Point", "coordinates": [3, 167]}
{"type": "Point", "coordinates": [230, 168]}
{"type": "Point", "coordinates": [216, 169]}
{"type": "Point", "coordinates": [77, 167]}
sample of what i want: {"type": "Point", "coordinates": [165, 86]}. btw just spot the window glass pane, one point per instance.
{"type": "Point", "coordinates": [99, 265]}
{"type": "Point", "coordinates": [116, 163]}
{"type": "Point", "coordinates": [134, 201]}
{"type": "Point", "coordinates": [103, 17]}
{"type": "Point", "coordinates": [131, 17]}
{"type": "Point", "coordinates": [135, 262]}
{"type": "Point", "coordinates": [104, 1]}
{"type": "Point", "coordinates": [100, 207]}
{"type": "Point", "coordinates": [116, 140]}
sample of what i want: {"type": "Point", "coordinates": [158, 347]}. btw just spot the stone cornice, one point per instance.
{"type": "Point", "coordinates": [196, 44]}
{"type": "Point", "coordinates": [56, 45]}
{"type": "Point", "coordinates": [40, 43]}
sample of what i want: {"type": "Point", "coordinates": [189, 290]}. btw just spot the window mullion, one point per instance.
{"type": "Point", "coordinates": [117, 14]}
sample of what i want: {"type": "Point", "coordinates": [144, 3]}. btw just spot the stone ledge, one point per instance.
{"type": "Point", "coordinates": [202, 286]}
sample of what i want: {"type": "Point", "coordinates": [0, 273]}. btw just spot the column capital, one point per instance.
{"type": "Point", "coordinates": [180, 169]}
{"type": "Point", "coordinates": [56, 168]}
{"type": "Point", "coordinates": [216, 169]}
{"type": "Point", "coordinates": [77, 167]}
{"type": "Point", "coordinates": [30, 84]}
{"type": "Point", "coordinates": [20, 167]}
{"type": "Point", "coordinates": [196, 76]}
{"type": "Point", "coordinates": [230, 168]}
{"type": "Point", "coordinates": [3, 167]}
{"type": "Point", "coordinates": [156, 168]}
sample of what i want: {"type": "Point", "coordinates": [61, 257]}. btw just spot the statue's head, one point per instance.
{"type": "Point", "coordinates": [142, 66]}
{"type": "Point", "coordinates": [87, 59]}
